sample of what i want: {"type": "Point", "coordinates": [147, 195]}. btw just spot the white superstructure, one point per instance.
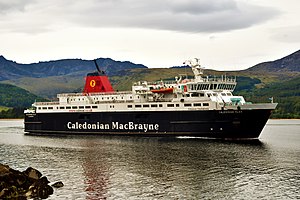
{"type": "Point", "coordinates": [200, 93]}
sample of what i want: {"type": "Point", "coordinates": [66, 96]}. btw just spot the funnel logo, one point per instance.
{"type": "Point", "coordinates": [92, 83]}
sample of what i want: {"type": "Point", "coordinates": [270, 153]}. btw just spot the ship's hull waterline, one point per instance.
{"type": "Point", "coordinates": [231, 124]}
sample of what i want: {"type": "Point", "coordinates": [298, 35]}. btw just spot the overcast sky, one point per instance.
{"type": "Point", "coordinates": [224, 34]}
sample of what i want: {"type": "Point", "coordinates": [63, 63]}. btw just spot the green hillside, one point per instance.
{"type": "Point", "coordinates": [285, 93]}
{"type": "Point", "coordinates": [48, 87]}
{"type": "Point", "coordinates": [13, 100]}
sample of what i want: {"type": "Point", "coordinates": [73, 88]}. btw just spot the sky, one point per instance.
{"type": "Point", "coordinates": [224, 34]}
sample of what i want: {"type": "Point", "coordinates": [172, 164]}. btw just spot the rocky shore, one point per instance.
{"type": "Point", "coordinates": [22, 185]}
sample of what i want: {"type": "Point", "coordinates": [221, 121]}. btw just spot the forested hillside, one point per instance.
{"type": "Point", "coordinates": [13, 100]}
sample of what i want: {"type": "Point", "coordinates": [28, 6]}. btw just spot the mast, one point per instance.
{"type": "Point", "coordinates": [196, 68]}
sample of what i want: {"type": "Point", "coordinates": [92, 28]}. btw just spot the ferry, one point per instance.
{"type": "Point", "coordinates": [198, 107]}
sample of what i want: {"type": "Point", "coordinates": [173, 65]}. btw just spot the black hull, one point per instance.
{"type": "Point", "coordinates": [231, 124]}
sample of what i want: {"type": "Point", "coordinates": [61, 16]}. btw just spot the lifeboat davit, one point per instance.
{"type": "Point", "coordinates": [163, 90]}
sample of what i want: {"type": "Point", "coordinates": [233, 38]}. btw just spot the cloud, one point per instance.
{"type": "Point", "coordinates": [287, 34]}
{"type": "Point", "coordinates": [194, 16]}
{"type": "Point", "coordinates": [14, 5]}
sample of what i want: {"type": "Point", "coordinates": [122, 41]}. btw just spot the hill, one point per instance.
{"type": "Point", "coordinates": [12, 96]}
{"type": "Point", "coordinates": [290, 63]}
{"type": "Point", "coordinates": [11, 70]}
{"type": "Point", "coordinates": [13, 100]}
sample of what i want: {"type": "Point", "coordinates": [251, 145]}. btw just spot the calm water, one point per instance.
{"type": "Point", "coordinates": [101, 167]}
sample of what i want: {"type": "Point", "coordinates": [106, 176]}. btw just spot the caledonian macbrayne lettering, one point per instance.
{"type": "Point", "coordinates": [112, 126]}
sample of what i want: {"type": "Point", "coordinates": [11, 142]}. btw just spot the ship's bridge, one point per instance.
{"type": "Point", "coordinates": [201, 83]}
{"type": "Point", "coordinates": [215, 84]}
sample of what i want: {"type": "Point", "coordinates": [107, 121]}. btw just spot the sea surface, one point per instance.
{"type": "Point", "coordinates": [102, 167]}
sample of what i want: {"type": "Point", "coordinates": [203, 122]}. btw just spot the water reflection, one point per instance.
{"type": "Point", "coordinates": [95, 171]}
{"type": "Point", "coordinates": [154, 167]}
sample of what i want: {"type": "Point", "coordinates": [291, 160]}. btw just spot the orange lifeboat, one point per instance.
{"type": "Point", "coordinates": [163, 90]}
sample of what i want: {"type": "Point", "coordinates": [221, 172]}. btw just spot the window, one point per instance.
{"type": "Point", "coordinates": [81, 107]}
{"type": "Point", "coordinates": [129, 106]}
{"type": "Point", "coordinates": [68, 107]}
{"type": "Point", "coordinates": [160, 105]}
{"type": "Point", "coordinates": [50, 108]}
{"type": "Point", "coordinates": [138, 106]}
{"type": "Point", "coordinates": [205, 104]}
{"type": "Point", "coordinates": [197, 104]}
{"type": "Point", "coordinates": [87, 107]}
{"type": "Point", "coordinates": [170, 105]}
{"type": "Point", "coordinates": [153, 105]}
{"type": "Point", "coordinates": [177, 105]}
{"type": "Point", "coordinates": [187, 104]}
{"type": "Point", "coordinates": [94, 106]}
{"type": "Point", "coordinates": [146, 106]}
{"type": "Point", "coordinates": [44, 108]}
{"type": "Point", "coordinates": [61, 107]}
{"type": "Point", "coordinates": [74, 107]}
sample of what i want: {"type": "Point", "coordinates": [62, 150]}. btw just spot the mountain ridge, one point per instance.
{"type": "Point", "coordinates": [12, 70]}
{"type": "Point", "coordinates": [289, 63]}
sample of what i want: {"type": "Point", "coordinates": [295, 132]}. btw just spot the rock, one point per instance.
{"type": "Point", "coordinates": [40, 188]}
{"type": "Point", "coordinates": [33, 173]}
{"type": "Point", "coordinates": [23, 185]}
{"type": "Point", "coordinates": [3, 169]}
{"type": "Point", "coordinates": [58, 184]}
{"type": "Point", "coordinates": [11, 192]}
